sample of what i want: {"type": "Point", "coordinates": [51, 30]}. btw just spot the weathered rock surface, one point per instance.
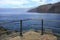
{"type": "Point", "coordinates": [48, 8]}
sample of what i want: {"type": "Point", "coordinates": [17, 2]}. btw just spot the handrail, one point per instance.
{"type": "Point", "coordinates": [51, 27]}
{"type": "Point", "coordinates": [14, 21]}
{"type": "Point", "coordinates": [30, 19]}
{"type": "Point", "coordinates": [52, 20]}
{"type": "Point", "coordinates": [42, 23]}
{"type": "Point", "coordinates": [3, 32]}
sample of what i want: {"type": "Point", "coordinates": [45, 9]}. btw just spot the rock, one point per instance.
{"type": "Point", "coordinates": [48, 8]}
{"type": "Point", "coordinates": [2, 28]}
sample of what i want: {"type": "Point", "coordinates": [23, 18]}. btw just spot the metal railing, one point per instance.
{"type": "Point", "coordinates": [42, 24]}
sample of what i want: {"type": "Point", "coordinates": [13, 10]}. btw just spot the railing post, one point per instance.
{"type": "Point", "coordinates": [21, 28]}
{"type": "Point", "coordinates": [42, 27]}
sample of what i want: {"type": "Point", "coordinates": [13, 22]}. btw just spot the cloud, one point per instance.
{"type": "Point", "coordinates": [12, 3]}
{"type": "Point", "coordinates": [24, 3]}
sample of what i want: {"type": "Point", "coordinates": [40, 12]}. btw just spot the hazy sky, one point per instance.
{"type": "Point", "coordinates": [24, 3]}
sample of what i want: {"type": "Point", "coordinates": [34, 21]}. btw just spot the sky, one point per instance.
{"type": "Point", "coordinates": [24, 3]}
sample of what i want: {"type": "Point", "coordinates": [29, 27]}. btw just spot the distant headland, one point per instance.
{"type": "Point", "coordinates": [48, 8]}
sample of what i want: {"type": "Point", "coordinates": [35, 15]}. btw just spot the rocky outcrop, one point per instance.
{"type": "Point", "coordinates": [2, 28]}
{"type": "Point", "coordinates": [55, 8]}
{"type": "Point", "coordinates": [4, 31]}
{"type": "Point", "coordinates": [48, 8]}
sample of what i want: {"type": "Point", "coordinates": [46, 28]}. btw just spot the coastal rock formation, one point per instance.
{"type": "Point", "coordinates": [48, 8]}
{"type": "Point", "coordinates": [2, 28]}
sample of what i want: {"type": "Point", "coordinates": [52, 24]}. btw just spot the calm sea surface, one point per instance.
{"type": "Point", "coordinates": [31, 24]}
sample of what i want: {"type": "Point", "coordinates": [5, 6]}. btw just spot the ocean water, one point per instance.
{"type": "Point", "coordinates": [30, 24]}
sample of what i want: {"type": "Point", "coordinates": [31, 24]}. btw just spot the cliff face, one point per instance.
{"type": "Point", "coordinates": [49, 8]}
{"type": "Point", "coordinates": [55, 8]}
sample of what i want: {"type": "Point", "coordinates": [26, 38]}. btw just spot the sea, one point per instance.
{"type": "Point", "coordinates": [30, 20]}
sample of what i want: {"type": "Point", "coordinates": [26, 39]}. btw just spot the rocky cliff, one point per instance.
{"type": "Point", "coordinates": [48, 8]}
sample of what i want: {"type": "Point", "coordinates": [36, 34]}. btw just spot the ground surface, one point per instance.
{"type": "Point", "coordinates": [31, 35]}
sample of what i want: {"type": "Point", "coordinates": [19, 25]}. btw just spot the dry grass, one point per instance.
{"type": "Point", "coordinates": [31, 35]}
